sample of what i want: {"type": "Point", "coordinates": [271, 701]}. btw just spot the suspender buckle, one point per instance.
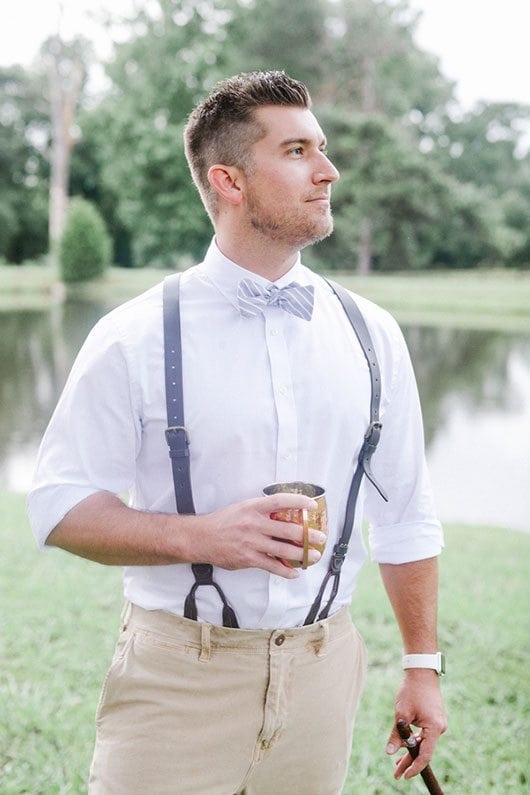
{"type": "Point", "coordinates": [337, 559]}
{"type": "Point", "coordinates": [178, 444]}
{"type": "Point", "coordinates": [373, 432]}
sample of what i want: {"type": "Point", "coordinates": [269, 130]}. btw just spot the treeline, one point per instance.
{"type": "Point", "coordinates": [424, 184]}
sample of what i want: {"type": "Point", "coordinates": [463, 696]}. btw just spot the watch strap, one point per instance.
{"type": "Point", "coordinates": [435, 662]}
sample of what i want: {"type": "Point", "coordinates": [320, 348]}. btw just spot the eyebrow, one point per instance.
{"type": "Point", "coordinates": [303, 141]}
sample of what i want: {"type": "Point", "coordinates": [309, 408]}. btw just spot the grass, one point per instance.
{"type": "Point", "coordinates": [496, 300]}
{"type": "Point", "coordinates": [484, 628]}
{"type": "Point", "coordinates": [60, 617]}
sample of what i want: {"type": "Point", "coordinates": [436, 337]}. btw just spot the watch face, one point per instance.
{"type": "Point", "coordinates": [441, 669]}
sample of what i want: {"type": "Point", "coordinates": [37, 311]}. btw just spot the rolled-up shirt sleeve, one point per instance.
{"type": "Point", "coordinates": [406, 528]}
{"type": "Point", "coordinates": [93, 437]}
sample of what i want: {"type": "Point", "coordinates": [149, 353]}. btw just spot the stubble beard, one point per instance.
{"type": "Point", "coordinates": [294, 229]}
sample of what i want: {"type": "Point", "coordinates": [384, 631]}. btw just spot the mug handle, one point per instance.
{"type": "Point", "coordinates": [305, 518]}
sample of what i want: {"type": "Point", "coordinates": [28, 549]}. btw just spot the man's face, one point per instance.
{"type": "Point", "coordinates": [287, 196]}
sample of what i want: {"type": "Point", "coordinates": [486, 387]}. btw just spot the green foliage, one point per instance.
{"type": "Point", "coordinates": [86, 180]}
{"type": "Point", "coordinates": [85, 245]}
{"type": "Point", "coordinates": [279, 35]}
{"type": "Point", "coordinates": [141, 150]}
{"type": "Point", "coordinates": [432, 185]}
{"type": "Point", "coordinates": [372, 63]}
{"type": "Point", "coordinates": [157, 198]}
{"type": "Point", "coordinates": [385, 178]}
{"type": "Point", "coordinates": [24, 130]}
{"type": "Point", "coordinates": [157, 78]}
{"type": "Point", "coordinates": [483, 149]}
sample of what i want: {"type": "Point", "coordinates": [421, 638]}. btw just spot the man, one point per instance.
{"type": "Point", "coordinates": [192, 706]}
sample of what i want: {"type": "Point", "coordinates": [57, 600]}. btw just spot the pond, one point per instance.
{"type": "Point", "coordinates": [474, 387]}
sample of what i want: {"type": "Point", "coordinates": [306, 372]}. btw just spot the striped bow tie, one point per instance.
{"type": "Point", "coordinates": [295, 298]}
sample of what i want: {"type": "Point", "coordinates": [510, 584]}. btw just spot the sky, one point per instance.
{"type": "Point", "coordinates": [482, 44]}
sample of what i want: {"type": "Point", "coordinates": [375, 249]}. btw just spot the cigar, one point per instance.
{"type": "Point", "coordinates": [413, 747]}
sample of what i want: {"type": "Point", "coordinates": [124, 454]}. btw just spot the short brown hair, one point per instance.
{"type": "Point", "coordinates": [222, 128]}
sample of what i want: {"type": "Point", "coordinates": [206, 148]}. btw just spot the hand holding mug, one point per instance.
{"type": "Point", "coordinates": [308, 519]}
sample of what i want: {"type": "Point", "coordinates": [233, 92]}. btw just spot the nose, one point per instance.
{"type": "Point", "coordinates": [325, 171]}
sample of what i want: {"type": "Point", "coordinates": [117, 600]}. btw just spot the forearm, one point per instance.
{"type": "Point", "coordinates": [103, 529]}
{"type": "Point", "coordinates": [413, 592]}
{"type": "Point", "coordinates": [412, 589]}
{"type": "Point", "coordinates": [237, 536]}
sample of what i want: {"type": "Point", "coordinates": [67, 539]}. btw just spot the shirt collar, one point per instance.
{"type": "Point", "coordinates": [225, 274]}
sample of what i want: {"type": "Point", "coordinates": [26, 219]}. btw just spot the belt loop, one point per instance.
{"type": "Point", "coordinates": [206, 649]}
{"type": "Point", "coordinates": [322, 643]}
{"type": "Point", "coordinates": [126, 615]}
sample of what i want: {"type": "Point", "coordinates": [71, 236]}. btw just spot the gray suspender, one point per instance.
{"type": "Point", "coordinates": [177, 439]}
{"type": "Point", "coordinates": [370, 442]}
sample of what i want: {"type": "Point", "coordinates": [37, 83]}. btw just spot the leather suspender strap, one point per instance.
{"type": "Point", "coordinates": [370, 442]}
{"type": "Point", "coordinates": [178, 442]}
{"type": "Point", "coordinates": [176, 435]}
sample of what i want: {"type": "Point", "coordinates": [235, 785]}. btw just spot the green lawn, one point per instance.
{"type": "Point", "coordinates": [59, 618]}
{"type": "Point", "coordinates": [481, 299]}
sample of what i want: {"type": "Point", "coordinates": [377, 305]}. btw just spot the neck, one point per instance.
{"type": "Point", "coordinates": [268, 258]}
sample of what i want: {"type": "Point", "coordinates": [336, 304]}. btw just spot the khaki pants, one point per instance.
{"type": "Point", "coordinates": [193, 709]}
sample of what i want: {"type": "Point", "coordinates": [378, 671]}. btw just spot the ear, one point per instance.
{"type": "Point", "coordinates": [227, 182]}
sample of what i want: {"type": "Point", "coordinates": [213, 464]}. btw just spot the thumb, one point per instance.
{"type": "Point", "coordinates": [394, 742]}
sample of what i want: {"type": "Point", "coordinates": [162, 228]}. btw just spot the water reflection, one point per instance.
{"type": "Point", "coordinates": [474, 365]}
{"type": "Point", "coordinates": [475, 390]}
{"type": "Point", "coordinates": [36, 353]}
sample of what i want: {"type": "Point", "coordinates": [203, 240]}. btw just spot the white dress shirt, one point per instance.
{"type": "Point", "coordinates": [268, 398]}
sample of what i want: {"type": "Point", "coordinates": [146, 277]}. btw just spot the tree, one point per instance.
{"type": "Point", "coordinates": [375, 68]}
{"type": "Point", "coordinates": [66, 66]}
{"type": "Point", "coordinates": [407, 197]}
{"type": "Point", "coordinates": [157, 76]}
{"type": "Point", "coordinates": [484, 147]}
{"type": "Point", "coordinates": [386, 179]}
{"type": "Point", "coordinates": [84, 251]}
{"type": "Point", "coordinates": [24, 132]}
{"type": "Point", "coordinates": [86, 180]}
{"type": "Point", "coordinates": [278, 35]}
{"type": "Point", "coordinates": [357, 56]}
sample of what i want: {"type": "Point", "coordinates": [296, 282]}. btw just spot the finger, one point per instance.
{"type": "Point", "coordinates": [394, 742]}
{"type": "Point", "coordinates": [422, 760]}
{"type": "Point", "coordinates": [276, 567]}
{"type": "Point", "coordinates": [402, 764]}
{"type": "Point", "coordinates": [292, 531]}
{"type": "Point", "coordinates": [427, 743]}
{"type": "Point", "coordinates": [278, 502]}
{"type": "Point", "coordinates": [287, 551]}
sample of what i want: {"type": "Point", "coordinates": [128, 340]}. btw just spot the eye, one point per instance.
{"type": "Point", "coordinates": [296, 150]}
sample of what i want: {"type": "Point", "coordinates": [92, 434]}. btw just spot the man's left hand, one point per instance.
{"type": "Point", "coordinates": [419, 702]}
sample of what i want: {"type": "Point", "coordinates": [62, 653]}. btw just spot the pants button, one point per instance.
{"type": "Point", "coordinates": [279, 640]}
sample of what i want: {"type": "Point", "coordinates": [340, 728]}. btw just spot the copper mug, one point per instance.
{"type": "Point", "coordinates": [309, 519]}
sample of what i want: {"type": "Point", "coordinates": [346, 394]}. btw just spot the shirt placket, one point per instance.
{"type": "Point", "coordinates": [287, 438]}
{"type": "Point", "coordinates": [283, 394]}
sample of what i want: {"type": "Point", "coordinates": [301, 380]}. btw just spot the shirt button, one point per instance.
{"type": "Point", "coordinates": [283, 390]}
{"type": "Point", "coordinates": [286, 456]}
{"type": "Point", "coordinates": [274, 332]}
{"type": "Point", "coordinates": [279, 640]}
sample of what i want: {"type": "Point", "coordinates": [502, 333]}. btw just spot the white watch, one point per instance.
{"type": "Point", "coordinates": [436, 662]}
